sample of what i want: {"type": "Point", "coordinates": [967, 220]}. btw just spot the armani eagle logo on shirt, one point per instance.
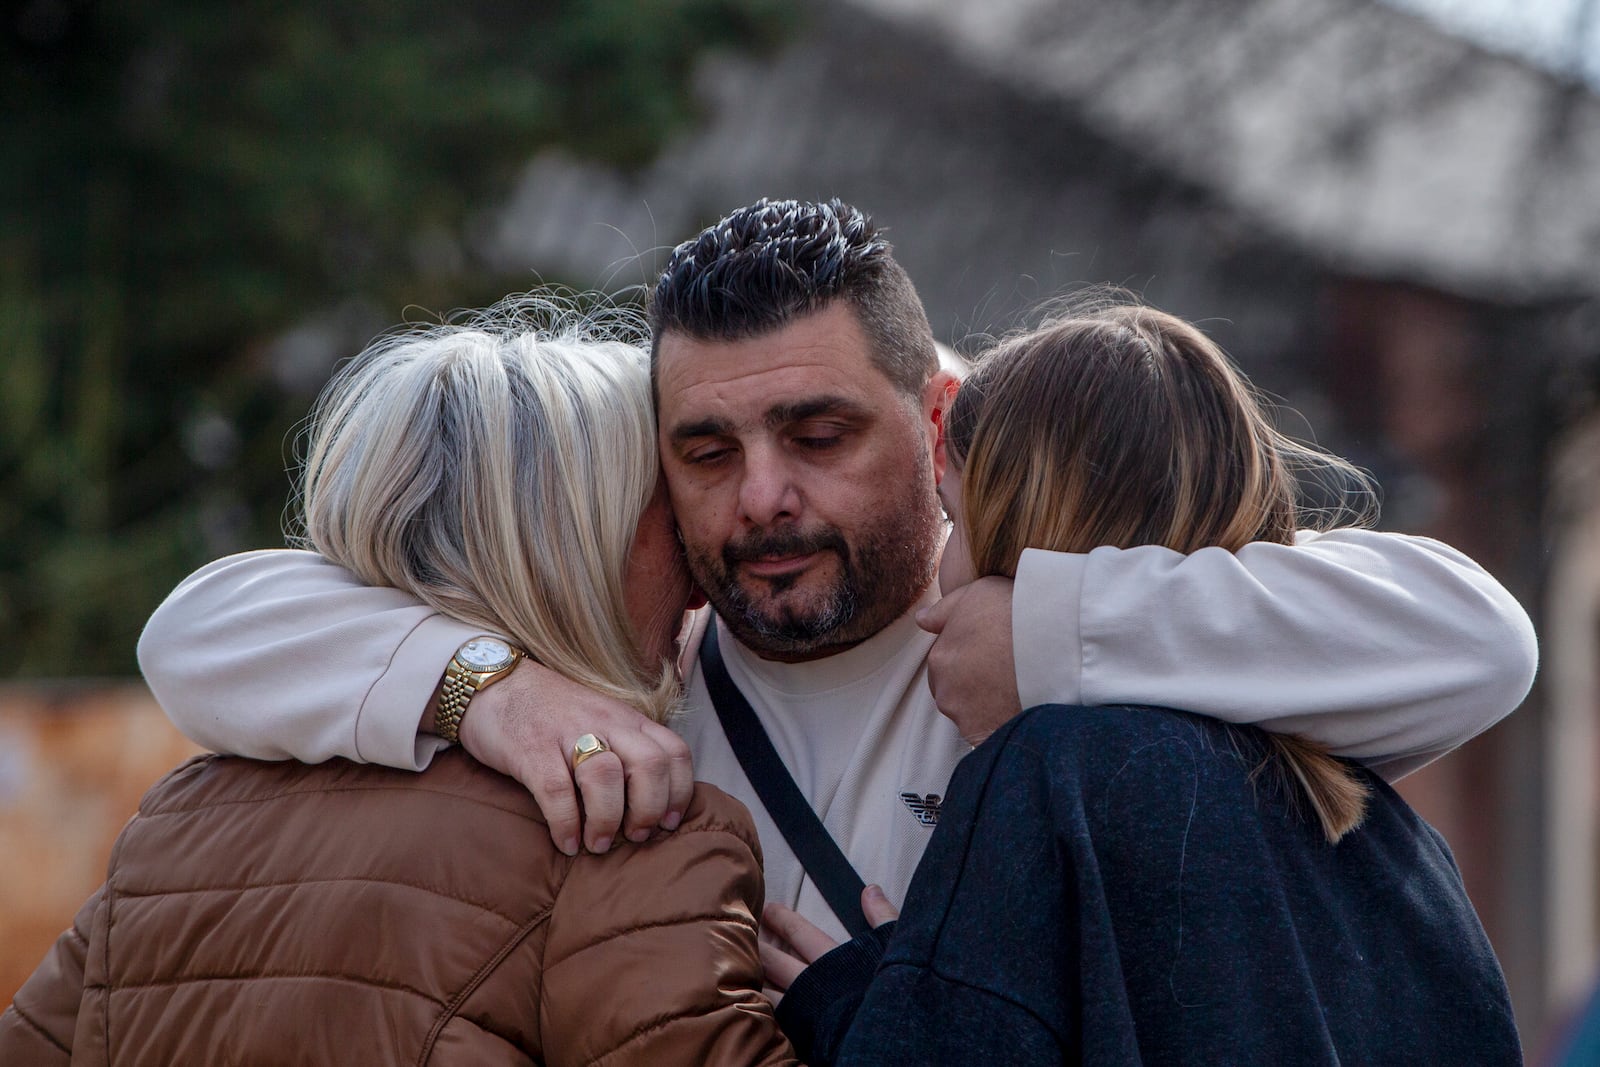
{"type": "Point", "coordinates": [924, 808]}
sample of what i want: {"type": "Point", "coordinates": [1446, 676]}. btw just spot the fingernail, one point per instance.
{"type": "Point", "coordinates": [602, 846]}
{"type": "Point", "coordinates": [637, 836]}
{"type": "Point", "coordinates": [875, 892]}
{"type": "Point", "coordinates": [570, 846]}
{"type": "Point", "coordinates": [671, 820]}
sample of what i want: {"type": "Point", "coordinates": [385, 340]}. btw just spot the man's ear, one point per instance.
{"type": "Point", "coordinates": [937, 397]}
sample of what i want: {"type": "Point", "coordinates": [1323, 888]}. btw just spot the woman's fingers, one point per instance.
{"type": "Point", "coordinates": [680, 776]}
{"type": "Point", "coordinates": [801, 935]}
{"type": "Point", "coordinates": [599, 780]}
{"type": "Point", "coordinates": [790, 943]}
{"type": "Point", "coordinates": [876, 906]}
{"type": "Point", "coordinates": [971, 667]}
{"type": "Point", "coordinates": [782, 969]}
{"type": "Point", "coordinates": [660, 778]}
{"type": "Point", "coordinates": [645, 780]}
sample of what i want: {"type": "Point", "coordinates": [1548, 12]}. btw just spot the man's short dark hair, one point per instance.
{"type": "Point", "coordinates": [773, 262]}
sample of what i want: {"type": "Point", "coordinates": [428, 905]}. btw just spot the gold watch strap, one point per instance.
{"type": "Point", "coordinates": [459, 686]}
{"type": "Point", "coordinates": [463, 678]}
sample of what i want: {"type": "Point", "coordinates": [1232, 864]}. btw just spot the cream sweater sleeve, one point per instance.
{"type": "Point", "coordinates": [282, 655]}
{"type": "Point", "coordinates": [1388, 649]}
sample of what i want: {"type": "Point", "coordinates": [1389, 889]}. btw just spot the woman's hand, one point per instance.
{"type": "Point", "coordinates": [524, 726]}
{"type": "Point", "coordinates": [790, 943]}
{"type": "Point", "coordinates": [972, 671]}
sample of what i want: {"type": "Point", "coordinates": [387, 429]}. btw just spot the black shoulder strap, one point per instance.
{"type": "Point", "coordinates": [818, 853]}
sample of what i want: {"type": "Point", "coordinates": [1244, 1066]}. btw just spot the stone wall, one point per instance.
{"type": "Point", "coordinates": [74, 761]}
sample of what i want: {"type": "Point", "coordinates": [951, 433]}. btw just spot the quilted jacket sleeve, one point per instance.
{"type": "Point", "coordinates": [38, 1027]}
{"type": "Point", "coordinates": [652, 954]}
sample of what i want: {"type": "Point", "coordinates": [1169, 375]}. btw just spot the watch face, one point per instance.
{"type": "Point", "coordinates": [485, 654]}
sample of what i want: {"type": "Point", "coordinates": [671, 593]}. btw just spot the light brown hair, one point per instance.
{"type": "Point", "coordinates": [1122, 425]}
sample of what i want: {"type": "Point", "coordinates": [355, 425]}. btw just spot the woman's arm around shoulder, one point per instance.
{"type": "Point", "coordinates": [1386, 648]}
{"type": "Point", "coordinates": [652, 953]}
{"type": "Point", "coordinates": [280, 654]}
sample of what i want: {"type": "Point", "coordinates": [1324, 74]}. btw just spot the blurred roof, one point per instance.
{"type": "Point", "coordinates": [1388, 145]}
{"type": "Point", "coordinates": [1562, 36]}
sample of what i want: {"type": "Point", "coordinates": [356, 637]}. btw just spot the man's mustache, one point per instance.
{"type": "Point", "coordinates": [777, 544]}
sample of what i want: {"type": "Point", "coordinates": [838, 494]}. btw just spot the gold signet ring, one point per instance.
{"type": "Point", "coordinates": [586, 746]}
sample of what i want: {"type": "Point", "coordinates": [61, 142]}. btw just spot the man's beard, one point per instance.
{"type": "Point", "coordinates": [878, 579]}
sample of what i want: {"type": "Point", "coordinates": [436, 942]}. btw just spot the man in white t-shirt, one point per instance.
{"type": "Point", "coordinates": [800, 406]}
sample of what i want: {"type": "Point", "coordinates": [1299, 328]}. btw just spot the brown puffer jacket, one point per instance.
{"type": "Point", "coordinates": [260, 913]}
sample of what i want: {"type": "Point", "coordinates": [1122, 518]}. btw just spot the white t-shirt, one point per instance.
{"type": "Point", "coordinates": [858, 732]}
{"type": "Point", "coordinates": [1385, 648]}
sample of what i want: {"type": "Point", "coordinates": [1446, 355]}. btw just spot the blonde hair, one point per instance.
{"type": "Point", "coordinates": [1122, 425]}
{"type": "Point", "coordinates": [496, 468]}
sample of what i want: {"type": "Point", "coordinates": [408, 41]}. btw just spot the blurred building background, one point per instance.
{"type": "Point", "coordinates": [1388, 212]}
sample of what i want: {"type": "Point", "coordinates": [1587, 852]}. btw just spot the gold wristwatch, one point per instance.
{"type": "Point", "coordinates": [481, 661]}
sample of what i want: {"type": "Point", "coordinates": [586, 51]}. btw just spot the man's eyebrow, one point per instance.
{"type": "Point", "coordinates": [814, 407]}
{"type": "Point", "coordinates": [711, 427]}
{"type": "Point", "coordinates": [776, 416]}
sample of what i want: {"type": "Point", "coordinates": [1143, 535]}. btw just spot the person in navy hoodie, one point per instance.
{"type": "Point", "coordinates": [1121, 885]}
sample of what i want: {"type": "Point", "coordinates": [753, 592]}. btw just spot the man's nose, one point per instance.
{"type": "Point", "coordinates": [768, 494]}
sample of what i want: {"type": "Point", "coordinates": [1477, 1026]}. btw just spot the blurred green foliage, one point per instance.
{"type": "Point", "coordinates": [185, 182]}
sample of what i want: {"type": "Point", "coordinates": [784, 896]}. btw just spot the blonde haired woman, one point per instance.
{"type": "Point", "coordinates": [1138, 885]}
{"type": "Point", "coordinates": [503, 471]}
